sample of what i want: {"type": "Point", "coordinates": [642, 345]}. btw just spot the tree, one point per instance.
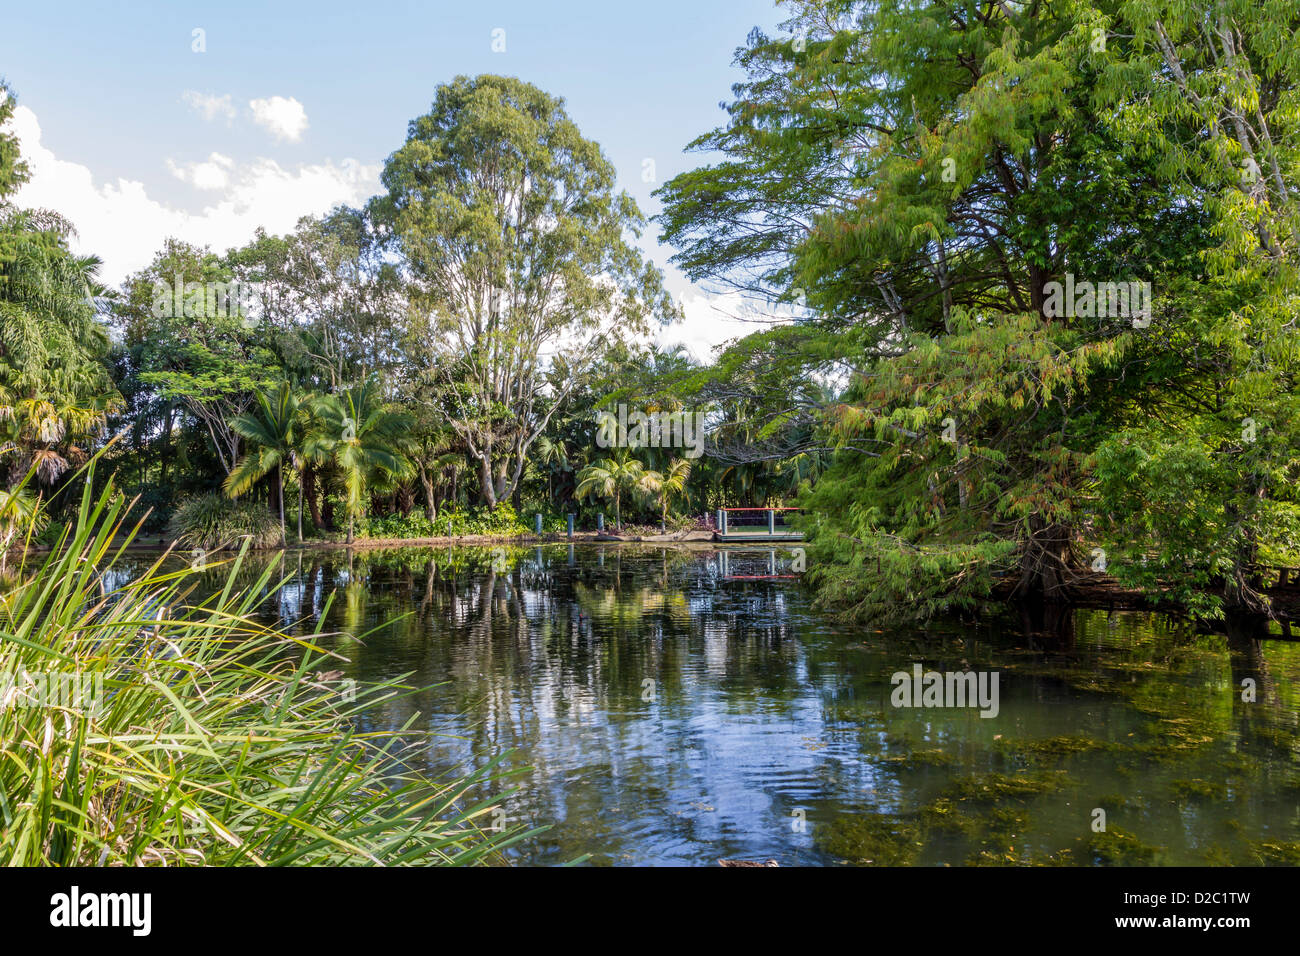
{"type": "Point", "coordinates": [663, 486]}
{"type": "Point", "coordinates": [941, 199]}
{"type": "Point", "coordinates": [55, 388]}
{"type": "Point", "coordinates": [332, 291]}
{"type": "Point", "coordinates": [366, 439]}
{"type": "Point", "coordinates": [609, 478]}
{"type": "Point", "coordinates": [272, 431]}
{"type": "Point", "coordinates": [550, 454]}
{"type": "Point", "coordinates": [193, 343]}
{"type": "Point", "coordinates": [1198, 481]}
{"type": "Point", "coordinates": [13, 171]}
{"type": "Point", "coordinates": [516, 243]}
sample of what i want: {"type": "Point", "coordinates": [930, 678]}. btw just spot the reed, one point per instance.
{"type": "Point", "coordinates": [142, 725]}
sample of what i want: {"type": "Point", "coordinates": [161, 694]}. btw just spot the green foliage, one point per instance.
{"type": "Point", "coordinates": [610, 478]}
{"type": "Point", "coordinates": [365, 438]}
{"type": "Point", "coordinates": [194, 736]}
{"type": "Point", "coordinates": [922, 206]}
{"type": "Point", "coordinates": [192, 350]}
{"type": "Point", "coordinates": [518, 242]}
{"type": "Point", "coordinates": [55, 388]}
{"type": "Point", "coordinates": [661, 487]}
{"type": "Point", "coordinates": [211, 522]}
{"type": "Point", "coordinates": [13, 171]}
{"type": "Point", "coordinates": [273, 434]}
{"type": "Point", "coordinates": [450, 523]}
{"type": "Point", "coordinates": [20, 514]}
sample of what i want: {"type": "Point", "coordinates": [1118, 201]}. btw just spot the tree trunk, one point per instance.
{"type": "Point", "coordinates": [1046, 562]}
{"type": "Point", "coordinates": [500, 488]}
{"type": "Point", "coordinates": [487, 491]}
{"type": "Point", "coordinates": [313, 500]}
{"type": "Point", "coordinates": [426, 482]}
{"type": "Point", "coordinates": [279, 489]}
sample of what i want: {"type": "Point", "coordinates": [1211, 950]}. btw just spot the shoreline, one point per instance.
{"type": "Point", "coordinates": [150, 543]}
{"type": "Point", "coordinates": [1091, 590]}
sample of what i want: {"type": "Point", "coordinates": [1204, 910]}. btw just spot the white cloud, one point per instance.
{"type": "Point", "coordinates": [213, 174]}
{"type": "Point", "coordinates": [285, 118]}
{"type": "Point", "coordinates": [209, 105]}
{"type": "Point", "coordinates": [119, 222]}
{"type": "Point", "coordinates": [711, 319]}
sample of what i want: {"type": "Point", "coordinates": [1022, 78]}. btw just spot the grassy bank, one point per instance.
{"type": "Point", "coordinates": [139, 725]}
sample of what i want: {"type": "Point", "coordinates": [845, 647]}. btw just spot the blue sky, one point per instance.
{"type": "Point", "coordinates": [134, 135]}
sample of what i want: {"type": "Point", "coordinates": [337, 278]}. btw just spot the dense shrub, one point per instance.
{"type": "Point", "coordinates": [450, 523]}
{"type": "Point", "coordinates": [211, 522]}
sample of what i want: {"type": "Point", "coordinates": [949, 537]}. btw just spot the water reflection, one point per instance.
{"type": "Point", "coordinates": [674, 707]}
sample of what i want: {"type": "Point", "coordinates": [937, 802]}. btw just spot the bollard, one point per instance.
{"type": "Point", "coordinates": [721, 529]}
{"type": "Point", "coordinates": [600, 522]}
{"type": "Point", "coordinates": [771, 521]}
{"type": "Point", "coordinates": [570, 517]}
{"type": "Point", "coordinates": [537, 523]}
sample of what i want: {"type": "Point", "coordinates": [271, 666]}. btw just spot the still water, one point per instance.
{"type": "Point", "coordinates": [671, 708]}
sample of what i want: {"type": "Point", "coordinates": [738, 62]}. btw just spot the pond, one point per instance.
{"type": "Point", "coordinates": [676, 708]}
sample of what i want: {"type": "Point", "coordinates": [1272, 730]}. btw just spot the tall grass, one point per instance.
{"type": "Point", "coordinates": [216, 741]}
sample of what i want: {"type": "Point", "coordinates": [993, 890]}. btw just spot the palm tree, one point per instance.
{"type": "Point", "coordinates": [663, 486]}
{"type": "Point", "coordinates": [438, 462]}
{"type": "Point", "coordinates": [549, 453]}
{"type": "Point", "coordinates": [55, 387]}
{"type": "Point", "coordinates": [366, 439]}
{"type": "Point", "coordinates": [271, 432]}
{"type": "Point", "coordinates": [608, 477]}
{"type": "Point", "coordinates": [308, 456]}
